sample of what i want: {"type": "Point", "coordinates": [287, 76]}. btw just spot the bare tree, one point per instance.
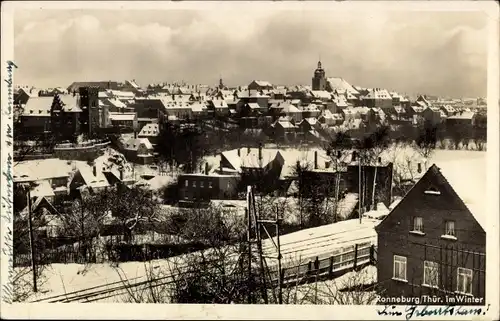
{"type": "Point", "coordinates": [426, 141]}
{"type": "Point", "coordinates": [339, 151]}
{"type": "Point", "coordinates": [371, 148]}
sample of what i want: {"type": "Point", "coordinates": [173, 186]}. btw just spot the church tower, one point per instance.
{"type": "Point", "coordinates": [319, 79]}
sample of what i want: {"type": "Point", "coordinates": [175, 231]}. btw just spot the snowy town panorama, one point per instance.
{"type": "Point", "coordinates": [248, 193]}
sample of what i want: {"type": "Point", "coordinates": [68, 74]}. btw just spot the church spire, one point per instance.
{"type": "Point", "coordinates": [221, 83]}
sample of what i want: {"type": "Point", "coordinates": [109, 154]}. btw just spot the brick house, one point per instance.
{"type": "Point", "coordinates": [138, 150]}
{"type": "Point", "coordinates": [256, 166]}
{"type": "Point", "coordinates": [202, 187]}
{"type": "Point", "coordinates": [432, 243]}
{"type": "Point", "coordinates": [383, 183]}
{"type": "Point", "coordinates": [35, 115]}
{"type": "Point", "coordinates": [432, 115]}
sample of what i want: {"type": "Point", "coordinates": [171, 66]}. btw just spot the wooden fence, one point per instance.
{"type": "Point", "coordinates": [328, 267]}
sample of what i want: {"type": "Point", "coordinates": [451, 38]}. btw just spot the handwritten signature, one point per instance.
{"type": "Point", "coordinates": [7, 205]}
{"type": "Point", "coordinates": [411, 311]}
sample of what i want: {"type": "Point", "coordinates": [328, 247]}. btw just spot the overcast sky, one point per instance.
{"type": "Point", "coordinates": [443, 53]}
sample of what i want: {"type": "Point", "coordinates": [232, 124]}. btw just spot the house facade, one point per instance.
{"type": "Point", "coordinates": [431, 243]}
{"type": "Point", "coordinates": [204, 187]}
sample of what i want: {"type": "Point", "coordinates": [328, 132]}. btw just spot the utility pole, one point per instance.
{"type": "Point", "coordinates": [32, 242]}
{"type": "Point", "coordinates": [359, 183]}
{"type": "Point", "coordinates": [249, 244]}
{"type": "Point", "coordinates": [280, 285]}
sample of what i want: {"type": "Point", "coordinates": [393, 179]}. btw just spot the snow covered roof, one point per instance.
{"type": "Point", "coordinates": [38, 106]}
{"type": "Point", "coordinates": [151, 129]}
{"type": "Point", "coordinates": [463, 115]}
{"type": "Point", "coordinates": [322, 94]}
{"type": "Point", "coordinates": [378, 94]}
{"type": "Point", "coordinates": [284, 124]}
{"type": "Point", "coordinates": [97, 181]}
{"type": "Point", "coordinates": [253, 105]}
{"type": "Point", "coordinates": [122, 116]}
{"type": "Point", "coordinates": [134, 143]}
{"type": "Point", "coordinates": [289, 108]}
{"type": "Point", "coordinates": [310, 120]}
{"type": "Point", "coordinates": [116, 103]}
{"type": "Point", "coordinates": [219, 103]}
{"type": "Point", "coordinates": [263, 83]}
{"type": "Point", "coordinates": [249, 158]}
{"type": "Point", "coordinates": [310, 107]}
{"type": "Point", "coordinates": [42, 189]}
{"type": "Point", "coordinates": [34, 170]}
{"type": "Point", "coordinates": [379, 213]}
{"type": "Point", "coordinates": [341, 84]}
{"type": "Point", "coordinates": [133, 84]}
{"type": "Point", "coordinates": [418, 109]}
{"type": "Point", "coordinates": [121, 94]}
{"type": "Point", "coordinates": [70, 103]}
{"type": "Point", "coordinates": [36, 204]}
{"type": "Point", "coordinates": [320, 241]}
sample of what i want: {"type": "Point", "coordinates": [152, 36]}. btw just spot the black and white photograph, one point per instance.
{"type": "Point", "coordinates": [236, 153]}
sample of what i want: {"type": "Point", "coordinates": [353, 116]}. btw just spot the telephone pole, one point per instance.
{"type": "Point", "coordinates": [32, 242]}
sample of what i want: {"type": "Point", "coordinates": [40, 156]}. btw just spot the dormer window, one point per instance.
{"type": "Point", "coordinates": [432, 191]}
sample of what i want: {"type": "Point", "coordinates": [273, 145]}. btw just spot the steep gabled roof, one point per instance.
{"type": "Point", "coordinates": [469, 188]}
{"type": "Point", "coordinates": [337, 83]}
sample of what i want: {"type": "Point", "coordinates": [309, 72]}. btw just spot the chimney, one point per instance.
{"type": "Point", "coordinates": [380, 160]}
{"type": "Point", "coordinates": [315, 159]}
{"type": "Point", "coordinates": [94, 170]}
{"type": "Point", "coordinates": [419, 168]}
{"type": "Point", "coordinates": [239, 153]}
{"type": "Point", "coordinates": [206, 168]}
{"type": "Point", "coordinates": [339, 154]}
{"type": "Point", "coordinates": [220, 166]}
{"type": "Point", "coordinates": [354, 155]}
{"type": "Point", "coordinates": [135, 134]}
{"type": "Point", "coordinates": [121, 174]}
{"type": "Point", "coordinates": [260, 151]}
{"type": "Point", "coordinates": [327, 164]}
{"type": "Point", "coordinates": [248, 150]}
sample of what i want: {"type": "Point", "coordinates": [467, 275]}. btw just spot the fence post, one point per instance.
{"type": "Point", "coordinates": [309, 267]}
{"type": "Point", "coordinates": [355, 255]}
{"type": "Point", "coordinates": [316, 264]}
{"type": "Point", "coordinates": [330, 266]}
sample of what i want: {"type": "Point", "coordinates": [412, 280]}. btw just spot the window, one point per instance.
{"type": "Point", "coordinates": [464, 280]}
{"type": "Point", "coordinates": [431, 274]}
{"type": "Point", "coordinates": [194, 183]}
{"type": "Point", "coordinates": [186, 183]}
{"type": "Point", "coordinates": [202, 184]}
{"type": "Point", "coordinates": [209, 184]}
{"type": "Point", "coordinates": [449, 228]}
{"type": "Point", "coordinates": [399, 268]}
{"type": "Point", "coordinates": [418, 224]}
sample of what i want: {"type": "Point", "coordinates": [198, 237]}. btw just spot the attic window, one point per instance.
{"type": "Point", "coordinates": [432, 191]}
